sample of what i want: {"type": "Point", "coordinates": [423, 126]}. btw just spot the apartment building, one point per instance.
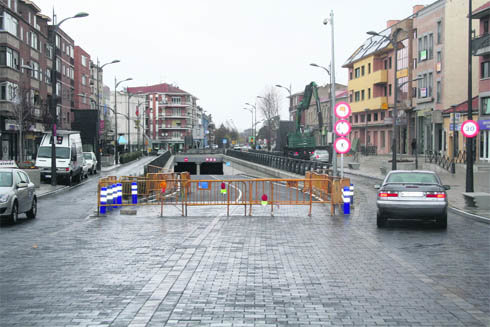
{"type": "Point", "coordinates": [25, 74]}
{"type": "Point", "coordinates": [481, 48]}
{"type": "Point", "coordinates": [82, 88]}
{"type": "Point", "coordinates": [371, 74]}
{"type": "Point", "coordinates": [171, 116]}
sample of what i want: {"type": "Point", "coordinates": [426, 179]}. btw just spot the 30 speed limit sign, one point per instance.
{"type": "Point", "coordinates": [470, 128]}
{"type": "Point", "coordinates": [342, 145]}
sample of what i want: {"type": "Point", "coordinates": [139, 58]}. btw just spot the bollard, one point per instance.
{"type": "Point", "coordinates": [351, 189]}
{"type": "Point", "coordinates": [134, 192]}
{"type": "Point", "coordinates": [346, 197]}
{"type": "Point", "coordinates": [119, 194]}
{"type": "Point", "coordinates": [109, 197]}
{"type": "Point", "coordinates": [114, 196]}
{"type": "Point", "coordinates": [103, 200]}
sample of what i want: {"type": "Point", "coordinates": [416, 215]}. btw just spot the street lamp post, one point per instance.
{"type": "Point", "coordinates": [453, 164]}
{"type": "Point", "coordinates": [116, 84]}
{"type": "Point", "coordinates": [251, 111]}
{"type": "Point", "coordinates": [54, 97]}
{"type": "Point", "coordinates": [290, 99]}
{"type": "Point", "coordinates": [269, 122]}
{"type": "Point", "coordinates": [332, 91]}
{"type": "Point", "coordinates": [394, 42]}
{"type": "Point", "coordinates": [254, 127]}
{"type": "Point", "coordinates": [97, 128]}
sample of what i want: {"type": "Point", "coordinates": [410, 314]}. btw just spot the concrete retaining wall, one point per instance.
{"type": "Point", "coordinates": [257, 170]}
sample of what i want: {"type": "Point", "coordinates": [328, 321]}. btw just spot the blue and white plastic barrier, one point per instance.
{"type": "Point", "coordinates": [109, 197]}
{"type": "Point", "coordinates": [134, 192]}
{"type": "Point", "coordinates": [346, 196]}
{"type": "Point", "coordinates": [103, 200]}
{"type": "Point", "coordinates": [352, 196]}
{"type": "Point", "coordinates": [119, 194]}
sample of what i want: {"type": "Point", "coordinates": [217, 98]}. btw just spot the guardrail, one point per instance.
{"type": "Point", "coordinates": [296, 166]}
{"type": "Point", "coordinates": [179, 190]}
{"type": "Point", "coordinates": [156, 165]}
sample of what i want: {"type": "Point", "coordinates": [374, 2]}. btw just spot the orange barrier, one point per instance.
{"type": "Point", "coordinates": [179, 189]}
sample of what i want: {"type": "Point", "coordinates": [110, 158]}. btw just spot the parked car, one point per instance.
{"type": "Point", "coordinates": [17, 194]}
{"type": "Point", "coordinates": [320, 155]}
{"type": "Point", "coordinates": [412, 194]}
{"type": "Point", "coordinates": [91, 161]}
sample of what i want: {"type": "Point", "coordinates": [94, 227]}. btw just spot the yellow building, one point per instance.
{"type": "Point", "coordinates": [371, 91]}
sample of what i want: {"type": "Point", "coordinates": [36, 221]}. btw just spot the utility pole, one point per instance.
{"type": "Point", "coordinates": [469, 140]}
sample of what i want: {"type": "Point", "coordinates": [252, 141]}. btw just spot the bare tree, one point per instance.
{"type": "Point", "coordinates": [25, 103]}
{"type": "Point", "coordinates": [269, 108]}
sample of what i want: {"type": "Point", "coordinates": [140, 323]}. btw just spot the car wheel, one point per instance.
{"type": "Point", "coordinates": [380, 220]}
{"type": "Point", "coordinates": [14, 216]}
{"type": "Point", "coordinates": [31, 214]}
{"type": "Point", "coordinates": [442, 221]}
{"type": "Point", "coordinates": [69, 180]}
{"type": "Point", "coordinates": [91, 171]}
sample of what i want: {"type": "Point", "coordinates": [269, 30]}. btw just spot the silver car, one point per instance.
{"type": "Point", "coordinates": [17, 194]}
{"type": "Point", "coordinates": [320, 155]}
{"type": "Point", "coordinates": [412, 194]}
{"type": "Point", "coordinates": [91, 161]}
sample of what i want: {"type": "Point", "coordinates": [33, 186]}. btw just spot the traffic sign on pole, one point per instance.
{"type": "Point", "coordinates": [470, 128]}
{"type": "Point", "coordinates": [342, 127]}
{"type": "Point", "coordinates": [342, 145]}
{"type": "Point", "coordinates": [342, 110]}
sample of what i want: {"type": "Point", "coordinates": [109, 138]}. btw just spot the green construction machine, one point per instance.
{"type": "Point", "coordinates": [300, 143]}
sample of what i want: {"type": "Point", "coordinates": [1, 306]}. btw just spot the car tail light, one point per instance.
{"type": "Point", "coordinates": [67, 169]}
{"type": "Point", "coordinates": [438, 195]}
{"type": "Point", "coordinates": [388, 194]}
{"type": "Point", "coordinates": [317, 156]}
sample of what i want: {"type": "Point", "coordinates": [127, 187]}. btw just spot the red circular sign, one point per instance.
{"type": "Point", "coordinates": [470, 128]}
{"type": "Point", "coordinates": [342, 128]}
{"type": "Point", "coordinates": [342, 145]}
{"type": "Point", "coordinates": [342, 110]}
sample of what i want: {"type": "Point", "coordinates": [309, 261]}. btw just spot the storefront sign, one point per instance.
{"type": "Point", "coordinates": [11, 125]}
{"type": "Point", "coordinates": [484, 124]}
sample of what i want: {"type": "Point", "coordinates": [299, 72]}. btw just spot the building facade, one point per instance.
{"type": "Point", "coordinates": [82, 89]}
{"type": "Point", "coordinates": [25, 73]}
{"type": "Point", "coordinates": [481, 48]}
{"type": "Point", "coordinates": [171, 116]}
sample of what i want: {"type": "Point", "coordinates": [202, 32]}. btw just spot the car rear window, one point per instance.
{"type": "Point", "coordinates": [321, 152]}
{"type": "Point", "coordinates": [422, 178]}
{"type": "Point", "coordinates": [87, 155]}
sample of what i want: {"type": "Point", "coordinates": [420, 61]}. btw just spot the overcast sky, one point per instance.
{"type": "Point", "coordinates": [224, 52]}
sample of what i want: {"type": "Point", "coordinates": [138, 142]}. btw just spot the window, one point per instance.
{"type": "Point", "coordinates": [84, 80]}
{"type": "Point", "coordinates": [176, 100]}
{"type": "Point", "coordinates": [362, 70]}
{"type": "Point", "coordinates": [431, 46]}
{"type": "Point", "coordinates": [383, 140]}
{"type": "Point", "coordinates": [58, 41]}
{"type": "Point", "coordinates": [58, 65]}
{"type": "Point", "coordinates": [485, 69]}
{"type": "Point", "coordinates": [382, 115]}
{"type": "Point", "coordinates": [357, 72]}
{"type": "Point", "coordinates": [34, 41]}
{"type": "Point", "coordinates": [35, 73]}
{"type": "Point", "coordinates": [485, 27]}
{"type": "Point", "coordinates": [8, 23]}
{"type": "Point", "coordinates": [350, 75]}
{"type": "Point", "coordinates": [368, 117]}
{"type": "Point", "coordinates": [439, 32]}
{"type": "Point", "coordinates": [438, 92]}
{"type": "Point", "coordinates": [385, 90]}
{"type": "Point", "coordinates": [58, 88]}
{"type": "Point", "coordinates": [21, 33]}
{"type": "Point", "coordinates": [369, 93]}
{"type": "Point", "coordinates": [389, 63]}
{"type": "Point", "coordinates": [369, 68]}
{"type": "Point", "coordinates": [386, 64]}
{"type": "Point", "coordinates": [402, 55]}
{"type": "Point", "coordinates": [49, 51]}
{"type": "Point", "coordinates": [356, 118]}
{"type": "Point", "coordinates": [48, 75]}
{"type": "Point", "coordinates": [84, 61]}
{"type": "Point", "coordinates": [9, 58]}
{"type": "Point", "coordinates": [362, 95]}
{"type": "Point", "coordinates": [485, 106]}
{"type": "Point", "coordinates": [375, 116]}
{"type": "Point", "coordinates": [357, 96]}
{"type": "Point", "coordinates": [430, 82]}
{"type": "Point", "coordinates": [389, 89]}
{"type": "Point", "coordinates": [350, 98]}
{"type": "Point", "coordinates": [8, 91]}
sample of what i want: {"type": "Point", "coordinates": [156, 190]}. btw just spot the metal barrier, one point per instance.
{"type": "Point", "coordinates": [179, 190]}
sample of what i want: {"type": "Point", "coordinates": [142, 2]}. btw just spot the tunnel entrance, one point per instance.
{"type": "Point", "coordinates": [191, 167]}
{"type": "Point", "coordinates": [212, 168]}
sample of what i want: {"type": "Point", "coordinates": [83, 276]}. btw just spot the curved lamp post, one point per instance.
{"type": "Point", "coordinates": [54, 97]}
{"type": "Point", "coordinates": [290, 98]}
{"type": "Point", "coordinates": [394, 42]}
{"type": "Point", "coordinates": [116, 84]}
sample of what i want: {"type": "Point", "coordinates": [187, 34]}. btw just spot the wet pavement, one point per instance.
{"type": "Point", "coordinates": [66, 268]}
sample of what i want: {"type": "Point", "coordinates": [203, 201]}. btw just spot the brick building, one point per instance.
{"type": "Point", "coordinates": [82, 88]}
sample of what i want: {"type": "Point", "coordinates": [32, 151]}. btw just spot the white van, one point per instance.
{"type": "Point", "coordinates": [69, 156]}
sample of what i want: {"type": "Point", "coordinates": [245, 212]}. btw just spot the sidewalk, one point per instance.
{"type": "Point", "coordinates": [370, 168]}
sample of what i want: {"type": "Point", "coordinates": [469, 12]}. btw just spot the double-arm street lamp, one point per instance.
{"type": "Point", "coordinates": [97, 104]}
{"type": "Point", "coordinates": [116, 84]}
{"type": "Point", "coordinates": [394, 42]}
{"type": "Point", "coordinates": [290, 99]}
{"type": "Point", "coordinates": [54, 97]}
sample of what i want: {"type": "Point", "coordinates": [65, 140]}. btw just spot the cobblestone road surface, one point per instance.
{"type": "Point", "coordinates": [67, 269]}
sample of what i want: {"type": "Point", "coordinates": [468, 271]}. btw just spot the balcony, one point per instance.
{"type": "Point", "coordinates": [380, 76]}
{"type": "Point", "coordinates": [373, 104]}
{"type": "Point", "coordinates": [164, 116]}
{"type": "Point", "coordinates": [175, 127]}
{"type": "Point", "coordinates": [480, 46]}
{"type": "Point", "coordinates": [174, 105]}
